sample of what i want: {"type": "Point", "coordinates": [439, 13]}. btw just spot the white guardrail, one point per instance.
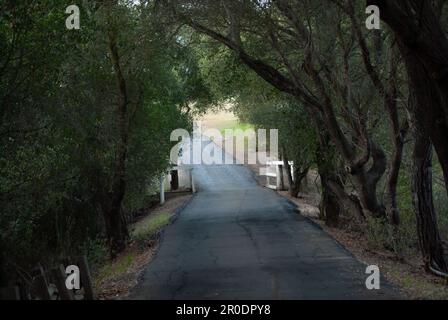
{"type": "Point", "coordinates": [273, 170]}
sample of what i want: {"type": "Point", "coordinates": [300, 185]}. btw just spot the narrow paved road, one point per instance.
{"type": "Point", "coordinates": [237, 240]}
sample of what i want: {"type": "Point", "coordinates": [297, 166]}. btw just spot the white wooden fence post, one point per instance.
{"type": "Point", "coordinates": [193, 187]}
{"type": "Point", "coordinates": [162, 189]}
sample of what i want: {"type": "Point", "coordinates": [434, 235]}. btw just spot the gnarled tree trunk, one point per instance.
{"type": "Point", "coordinates": [424, 45]}
{"type": "Point", "coordinates": [330, 203]}
{"type": "Point", "coordinates": [296, 177]}
{"type": "Point", "coordinates": [428, 232]}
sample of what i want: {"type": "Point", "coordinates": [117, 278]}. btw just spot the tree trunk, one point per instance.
{"type": "Point", "coordinates": [294, 179]}
{"type": "Point", "coordinates": [282, 180]}
{"type": "Point", "coordinates": [329, 205]}
{"type": "Point", "coordinates": [428, 232]}
{"type": "Point", "coordinates": [116, 226]}
{"type": "Point", "coordinates": [292, 186]}
{"type": "Point", "coordinates": [427, 111]}
{"type": "Point", "coordinates": [299, 175]}
{"type": "Point", "coordinates": [365, 181]}
{"type": "Point", "coordinates": [424, 46]}
{"type": "Point", "coordinates": [392, 209]}
{"type": "Point", "coordinates": [397, 134]}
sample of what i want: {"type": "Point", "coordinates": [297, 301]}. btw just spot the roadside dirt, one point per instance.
{"type": "Point", "coordinates": [126, 269]}
{"type": "Point", "coordinates": [407, 274]}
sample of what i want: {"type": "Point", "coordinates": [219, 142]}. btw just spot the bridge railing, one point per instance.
{"type": "Point", "coordinates": [179, 177]}
{"type": "Point", "coordinates": [274, 172]}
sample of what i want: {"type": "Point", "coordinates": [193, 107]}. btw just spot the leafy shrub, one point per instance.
{"type": "Point", "coordinates": [402, 241]}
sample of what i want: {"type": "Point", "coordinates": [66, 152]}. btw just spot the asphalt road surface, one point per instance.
{"type": "Point", "coordinates": [237, 240]}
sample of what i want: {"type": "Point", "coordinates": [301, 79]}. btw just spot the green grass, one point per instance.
{"type": "Point", "coordinates": [115, 268]}
{"type": "Point", "coordinates": [143, 232]}
{"type": "Point", "coordinates": [149, 226]}
{"type": "Point", "coordinates": [420, 287]}
{"type": "Point", "coordinates": [147, 229]}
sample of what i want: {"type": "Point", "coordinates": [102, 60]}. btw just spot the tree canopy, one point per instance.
{"type": "Point", "coordinates": [86, 115]}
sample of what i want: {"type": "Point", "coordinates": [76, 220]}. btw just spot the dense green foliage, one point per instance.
{"type": "Point", "coordinates": [86, 115]}
{"type": "Point", "coordinates": [58, 133]}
